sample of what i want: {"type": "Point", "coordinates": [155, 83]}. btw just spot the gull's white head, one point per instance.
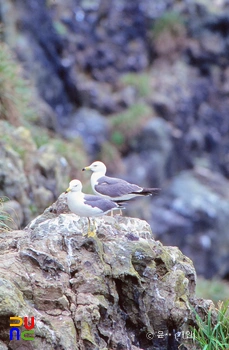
{"type": "Point", "coordinates": [74, 186]}
{"type": "Point", "coordinates": [97, 167]}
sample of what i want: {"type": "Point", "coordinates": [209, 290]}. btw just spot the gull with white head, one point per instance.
{"type": "Point", "coordinates": [88, 205]}
{"type": "Point", "coordinates": [115, 189]}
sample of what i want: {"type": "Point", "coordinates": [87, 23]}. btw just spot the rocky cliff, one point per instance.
{"type": "Point", "coordinates": [141, 86]}
{"type": "Point", "coordinates": [119, 290]}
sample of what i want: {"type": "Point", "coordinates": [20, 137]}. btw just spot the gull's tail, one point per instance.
{"type": "Point", "coordinates": [147, 191]}
{"type": "Point", "coordinates": [119, 203]}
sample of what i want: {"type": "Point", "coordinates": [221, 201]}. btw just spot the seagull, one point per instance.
{"type": "Point", "coordinates": [115, 189]}
{"type": "Point", "coordinates": [88, 205]}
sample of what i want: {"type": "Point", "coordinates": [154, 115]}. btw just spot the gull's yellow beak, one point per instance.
{"type": "Point", "coordinates": [86, 168]}
{"type": "Point", "coordinates": [68, 190]}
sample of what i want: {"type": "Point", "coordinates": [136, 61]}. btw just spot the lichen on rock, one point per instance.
{"type": "Point", "coordinates": [106, 292]}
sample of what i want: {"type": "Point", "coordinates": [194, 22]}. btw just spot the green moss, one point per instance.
{"type": "Point", "coordinates": [181, 285]}
{"type": "Point", "coordinates": [72, 150]}
{"type": "Point", "coordinates": [125, 125]}
{"type": "Point", "coordinates": [60, 28]}
{"type": "Point", "coordinates": [171, 22]}
{"type": "Point", "coordinates": [40, 135]}
{"type": "Point", "coordinates": [15, 93]}
{"type": "Point", "coordinates": [18, 139]}
{"type": "Point", "coordinates": [140, 81]}
{"type": "Point", "coordinates": [118, 138]}
{"type": "Point", "coordinates": [86, 332]}
{"type": "Point", "coordinates": [33, 209]}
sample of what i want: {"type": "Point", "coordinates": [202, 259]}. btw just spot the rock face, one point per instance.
{"type": "Point", "coordinates": [202, 195]}
{"type": "Point", "coordinates": [34, 180]}
{"type": "Point", "coordinates": [114, 291]}
{"type": "Point", "coordinates": [92, 59]}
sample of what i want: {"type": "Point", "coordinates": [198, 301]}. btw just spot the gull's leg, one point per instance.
{"type": "Point", "coordinates": [119, 213]}
{"type": "Point", "coordinates": [91, 233]}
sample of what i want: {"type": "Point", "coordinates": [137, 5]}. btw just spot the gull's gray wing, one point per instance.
{"type": "Point", "coordinates": [114, 187]}
{"type": "Point", "coordinates": [99, 202]}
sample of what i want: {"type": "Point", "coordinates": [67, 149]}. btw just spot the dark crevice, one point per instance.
{"type": "Point", "coordinates": [73, 272]}
{"type": "Point", "coordinates": [104, 337]}
{"type": "Point", "coordinates": [160, 267]}
{"type": "Point", "coordinates": [89, 245]}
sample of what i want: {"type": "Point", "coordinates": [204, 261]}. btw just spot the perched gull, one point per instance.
{"type": "Point", "coordinates": [115, 189]}
{"type": "Point", "coordinates": [87, 205]}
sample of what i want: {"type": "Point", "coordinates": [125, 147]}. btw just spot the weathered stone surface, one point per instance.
{"type": "Point", "coordinates": [14, 183]}
{"type": "Point", "coordinates": [91, 125]}
{"type": "Point", "coordinates": [79, 57]}
{"type": "Point", "coordinates": [202, 195]}
{"type": "Point", "coordinates": [30, 178]}
{"type": "Point", "coordinates": [15, 212]}
{"type": "Point", "coordinates": [105, 292]}
{"type": "Point", "coordinates": [152, 153]}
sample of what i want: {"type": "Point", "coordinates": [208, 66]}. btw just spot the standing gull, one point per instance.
{"type": "Point", "coordinates": [88, 205]}
{"type": "Point", "coordinates": [115, 189]}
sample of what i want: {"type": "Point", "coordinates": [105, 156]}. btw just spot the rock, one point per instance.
{"type": "Point", "coordinates": [44, 115]}
{"type": "Point", "coordinates": [152, 153]}
{"type": "Point", "coordinates": [3, 346]}
{"type": "Point", "coordinates": [212, 43]}
{"type": "Point", "coordinates": [55, 55]}
{"type": "Point", "coordinates": [91, 126]}
{"type": "Point", "coordinates": [42, 197]}
{"type": "Point", "coordinates": [106, 292]}
{"type": "Point", "coordinates": [30, 178]}
{"type": "Point", "coordinates": [23, 139]}
{"type": "Point", "coordinates": [77, 58]}
{"type": "Point", "coordinates": [14, 183]}
{"type": "Point", "coordinates": [15, 212]}
{"type": "Point", "coordinates": [192, 214]}
{"type": "Point", "coordinates": [52, 172]}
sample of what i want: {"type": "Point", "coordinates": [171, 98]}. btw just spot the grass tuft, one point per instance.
{"type": "Point", "coordinates": [126, 125]}
{"type": "Point", "coordinates": [210, 334]}
{"type": "Point", "coordinates": [15, 94]}
{"type": "Point", "coordinates": [4, 216]}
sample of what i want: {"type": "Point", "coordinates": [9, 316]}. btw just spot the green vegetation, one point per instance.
{"type": "Point", "coordinates": [40, 135]}
{"type": "Point", "coordinates": [72, 150]}
{"type": "Point", "coordinates": [15, 111]}
{"type": "Point", "coordinates": [18, 139]}
{"type": "Point", "coordinates": [140, 81]}
{"type": "Point", "coordinates": [125, 125]}
{"type": "Point", "coordinates": [210, 334]}
{"type": "Point", "coordinates": [60, 28]}
{"type": "Point", "coordinates": [15, 94]}
{"type": "Point", "coordinates": [171, 22]}
{"type": "Point", "coordinates": [212, 289]}
{"type": "Point", "coordinates": [4, 217]}
{"type": "Point", "coordinates": [25, 142]}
